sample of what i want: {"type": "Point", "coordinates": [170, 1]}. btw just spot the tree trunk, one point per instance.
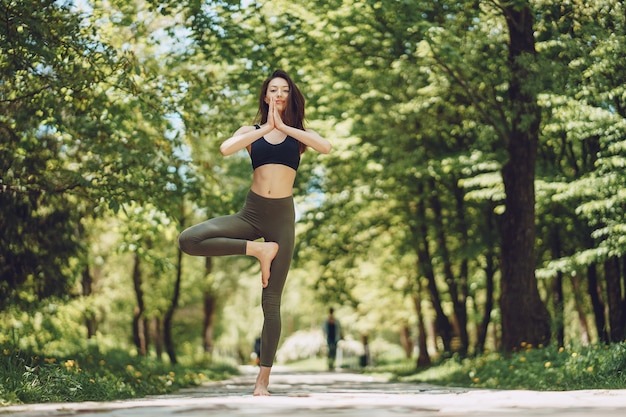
{"type": "Point", "coordinates": [158, 338]}
{"type": "Point", "coordinates": [458, 304]}
{"type": "Point", "coordinates": [138, 331]}
{"type": "Point", "coordinates": [423, 358]}
{"type": "Point", "coordinates": [425, 267]}
{"type": "Point", "coordinates": [614, 299]}
{"type": "Point", "coordinates": [525, 318]}
{"type": "Point", "coordinates": [87, 287]}
{"type": "Point", "coordinates": [595, 293]}
{"type": "Point", "coordinates": [490, 271]}
{"type": "Point", "coordinates": [580, 308]}
{"type": "Point", "coordinates": [90, 315]}
{"type": "Point", "coordinates": [559, 309]}
{"type": "Point", "coordinates": [557, 288]}
{"type": "Point", "coordinates": [209, 319]}
{"type": "Point", "coordinates": [169, 314]}
{"type": "Point", "coordinates": [210, 302]}
{"type": "Point", "coordinates": [463, 277]}
{"type": "Point", "coordinates": [146, 333]}
{"type": "Point", "coordinates": [405, 341]}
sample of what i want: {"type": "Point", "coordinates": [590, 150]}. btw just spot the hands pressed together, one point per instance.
{"type": "Point", "coordinates": [274, 120]}
{"type": "Point", "coordinates": [248, 134]}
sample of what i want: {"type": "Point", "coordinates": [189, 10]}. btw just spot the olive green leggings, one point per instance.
{"type": "Point", "coordinates": [273, 220]}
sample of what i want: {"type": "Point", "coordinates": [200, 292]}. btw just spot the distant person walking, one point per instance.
{"type": "Point", "coordinates": [333, 333]}
{"type": "Point", "coordinates": [275, 145]}
{"type": "Point", "coordinates": [365, 357]}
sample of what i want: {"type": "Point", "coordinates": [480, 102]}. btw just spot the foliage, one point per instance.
{"type": "Point", "coordinates": [112, 114]}
{"type": "Point", "coordinates": [91, 375]}
{"type": "Point", "coordinates": [542, 369]}
{"type": "Point", "coordinates": [83, 124]}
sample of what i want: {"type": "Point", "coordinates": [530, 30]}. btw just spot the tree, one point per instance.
{"type": "Point", "coordinates": [582, 143]}
{"type": "Point", "coordinates": [86, 129]}
{"type": "Point", "coordinates": [525, 318]}
{"type": "Point", "coordinates": [49, 71]}
{"type": "Point", "coordinates": [475, 144]}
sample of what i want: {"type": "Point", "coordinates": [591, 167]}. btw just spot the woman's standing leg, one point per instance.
{"type": "Point", "coordinates": [280, 228]}
{"type": "Point", "coordinates": [273, 220]}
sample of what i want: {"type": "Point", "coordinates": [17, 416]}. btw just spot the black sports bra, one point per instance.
{"type": "Point", "coordinates": [286, 152]}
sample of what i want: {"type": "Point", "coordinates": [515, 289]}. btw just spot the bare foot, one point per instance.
{"type": "Point", "coordinates": [262, 382]}
{"type": "Point", "coordinates": [265, 252]}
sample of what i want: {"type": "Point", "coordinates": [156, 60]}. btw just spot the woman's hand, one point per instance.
{"type": "Point", "coordinates": [275, 115]}
{"type": "Point", "coordinates": [270, 115]}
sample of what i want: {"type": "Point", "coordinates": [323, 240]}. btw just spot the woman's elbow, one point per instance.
{"type": "Point", "coordinates": [224, 150]}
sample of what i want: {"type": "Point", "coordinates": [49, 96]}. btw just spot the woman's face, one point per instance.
{"type": "Point", "coordinates": [278, 91]}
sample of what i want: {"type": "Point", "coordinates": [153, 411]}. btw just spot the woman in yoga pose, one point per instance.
{"type": "Point", "coordinates": [275, 145]}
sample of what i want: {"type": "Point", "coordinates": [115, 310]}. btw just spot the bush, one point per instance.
{"type": "Point", "coordinates": [544, 369]}
{"type": "Point", "coordinates": [27, 377]}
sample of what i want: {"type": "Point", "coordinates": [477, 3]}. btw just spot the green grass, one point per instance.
{"type": "Point", "coordinates": [544, 369]}
{"type": "Point", "coordinates": [27, 377]}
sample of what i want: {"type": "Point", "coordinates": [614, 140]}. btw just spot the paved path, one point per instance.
{"type": "Point", "coordinates": [317, 394]}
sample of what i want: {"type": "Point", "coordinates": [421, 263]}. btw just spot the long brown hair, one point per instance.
{"type": "Point", "coordinates": [294, 112]}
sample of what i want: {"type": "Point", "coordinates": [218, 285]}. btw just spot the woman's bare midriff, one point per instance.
{"type": "Point", "coordinates": [273, 181]}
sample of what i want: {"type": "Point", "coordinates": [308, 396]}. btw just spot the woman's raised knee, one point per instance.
{"type": "Point", "coordinates": [185, 241]}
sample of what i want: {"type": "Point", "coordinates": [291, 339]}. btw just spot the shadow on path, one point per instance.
{"type": "Point", "coordinates": [317, 394]}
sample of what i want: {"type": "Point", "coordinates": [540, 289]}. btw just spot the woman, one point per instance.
{"type": "Point", "coordinates": [275, 147]}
